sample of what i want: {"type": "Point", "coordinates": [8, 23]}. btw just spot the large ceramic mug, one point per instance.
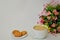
{"type": "Point", "coordinates": [40, 33]}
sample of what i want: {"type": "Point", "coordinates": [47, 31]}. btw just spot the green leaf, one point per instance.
{"type": "Point", "coordinates": [58, 7]}
{"type": "Point", "coordinates": [52, 15]}
{"type": "Point", "coordinates": [52, 29]}
{"type": "Point", "coordinates": [46, 25]}
{"type": "Point", "coordinates": [58, 20]}
{"type": "Point", "coordinates": [50, 8]}
{"type": "Point", "coordinates": [58, 16]}
{"type": "Point", "coordinates": [58, 23]}
{"type": "Point", "coordinates": [45, 18]}
{"type": "Point", "coordinates": [50, 22]}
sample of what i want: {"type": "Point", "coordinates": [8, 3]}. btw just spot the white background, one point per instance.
{"type": "Point", "coordinates": [18, 14]}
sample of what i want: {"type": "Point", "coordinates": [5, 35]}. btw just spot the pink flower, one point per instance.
{"type": "Point", "coordinates": [48, 17]}
{"type": "Point", "coordinates": [48, 13]}
{"type": "Point", "coordinates": [45, 5]}
{"type": "Point", "coordinates": [38, 22]}
{"type": "Point", "coordinates": [58, 28]}
{"type": "Point", "coordinates": [54, 18]}
{"type": "Point", "coordinates": [54, 31]}
{"type": "Point", "coordinates": [53, 25]}
{"type": "Point", "coordinates": [42, 21]}
{"type": "Point", "coordinates": [55, 12]}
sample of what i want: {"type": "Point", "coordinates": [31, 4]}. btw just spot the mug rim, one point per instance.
{"type": "Point", "coordinates": [40, 30]}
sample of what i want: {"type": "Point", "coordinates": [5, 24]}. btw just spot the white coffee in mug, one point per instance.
{"type": "Point", "coordinates": [39, 31]}
{"type": "Point", "coordinates": [39, 27]}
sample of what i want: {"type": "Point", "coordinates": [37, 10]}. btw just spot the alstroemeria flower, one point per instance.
{"type": "Point", "coordinates": [55, 12]}
{"type": "Point", "coordinates": [42, 21]}
{"type": "Point", "coordinates": [48, 13]}
{"type": "Point", "coordinates": [58, 28]}
{"type": "Point", "coordinates": [48, 17]}
{"type": "Point", "coordinates": [54, 31]}
{"type": "Point", "coordinates": [54, 18]}
{"type": "Point", "coordinates": [53, 25]}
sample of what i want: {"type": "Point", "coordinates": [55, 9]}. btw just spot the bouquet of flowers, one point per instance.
{"type": "Point", "coordinates": [51, 17]}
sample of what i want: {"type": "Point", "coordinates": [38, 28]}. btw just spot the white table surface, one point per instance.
{"type": "Point", "coordinates": [29, 37]}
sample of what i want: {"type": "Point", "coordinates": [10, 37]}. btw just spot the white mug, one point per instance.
{"type": "Point", "coordinates": [39, 33]}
